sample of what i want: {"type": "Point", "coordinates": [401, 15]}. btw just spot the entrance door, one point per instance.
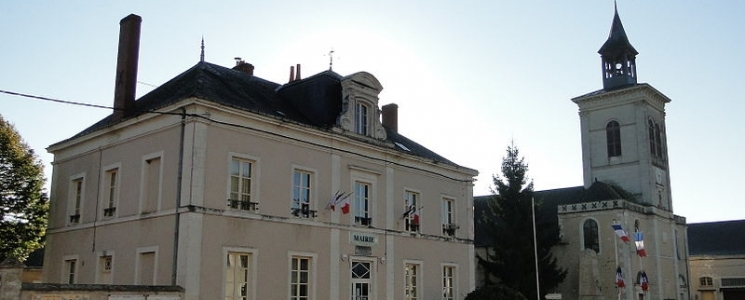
{"type": "Point", "coordinates": [361, 280]}
{"type": "Point", "coordinates": [707, 295]}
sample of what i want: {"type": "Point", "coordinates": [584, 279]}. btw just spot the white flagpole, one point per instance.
{"type": "Point", "coordinates": [535, 249]}
{"type": "Point", "coordinates": [615, 250]}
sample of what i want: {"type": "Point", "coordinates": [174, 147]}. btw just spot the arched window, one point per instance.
{"type": "Point", "coordinates": [636, 225]}
{"type": "Point", "coordinates": [590, 235]}
{"type": "Point", "coordinates": [652, 141]}
{"type": "Point", "coordinates": [613, 136]}
{"type": "Point", "coordinates": [658, 139]}
{"type": "Point", "coordinates": [655, 140]}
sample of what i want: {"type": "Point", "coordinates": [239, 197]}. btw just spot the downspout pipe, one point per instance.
{"type": "Point", "coordinates": [179, 184]}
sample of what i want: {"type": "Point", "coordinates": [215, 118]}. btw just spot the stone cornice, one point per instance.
{"type": "Point", "coordinates": [641, 92]}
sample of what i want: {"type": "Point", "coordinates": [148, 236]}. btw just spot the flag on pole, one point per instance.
{"type": "Point", "coordinates": [620, 232]}
{"type": "Point", "coordinates": [408, 211]}
{"type": "Point", "coordinates": [644, 281]}
{"type": "Point", "coordinates": [339, 198]}
{"type": "Point", "coordinates": [639, 241]}
{"type": "Point", "coordinates": [415, 218]}
{"type": "Point", "coordinates": [619, 278]}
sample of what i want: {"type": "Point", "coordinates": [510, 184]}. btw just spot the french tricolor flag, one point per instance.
{"type": "Point", "coordinates": [639, 241]}
{"type": "Point", "coordinates": [620, 232]}
{"type": "Point", "coordinates": [619, 278]}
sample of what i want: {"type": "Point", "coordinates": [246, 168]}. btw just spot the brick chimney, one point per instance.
{"type": "Point", "coordinates": [390, 116]}
{"type": "Point", "coordinates": [126, 66]}
{"type": "Point", "coordinates": [243, 66]}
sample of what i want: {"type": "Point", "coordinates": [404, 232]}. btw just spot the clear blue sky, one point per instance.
{"type": "Point", "coordinates": [468, 76]}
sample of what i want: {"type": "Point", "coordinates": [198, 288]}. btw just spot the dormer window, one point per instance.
{"type": "Point", "coordinates": [359, 113]}
{"type": "Point", "coordinates": [361, 118]}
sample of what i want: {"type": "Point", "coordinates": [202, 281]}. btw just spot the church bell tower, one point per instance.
{"type": "Point", "coordinates": [623, 127]}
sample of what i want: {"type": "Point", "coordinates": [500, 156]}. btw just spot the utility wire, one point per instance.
{"type": "Point", "coordinates": [54, 100]}
{"type": "Point", "coordinates": [248, 128]}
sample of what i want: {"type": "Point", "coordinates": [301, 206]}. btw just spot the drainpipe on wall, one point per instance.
{"type": "Point", "coordinates": [179, 184]}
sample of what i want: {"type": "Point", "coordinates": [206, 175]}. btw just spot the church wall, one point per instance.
{"type": "Point", "coordinates": [594, 275]}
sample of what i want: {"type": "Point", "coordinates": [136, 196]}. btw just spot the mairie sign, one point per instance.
{"type": "Point", "coordinates": [362, 239]}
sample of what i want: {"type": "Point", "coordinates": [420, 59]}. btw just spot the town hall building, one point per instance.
{"type": "Point", "coordinates": [235, 187]}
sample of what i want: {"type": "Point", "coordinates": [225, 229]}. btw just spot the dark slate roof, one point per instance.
{"type": "Point", "coordinates": [717, 238]}
{"type": "Point", "coordinates": [315, 101]}
{"type": "Point", "coordinates": [617, 43]}
{"type": "Point", "coordinates": [600, 191]}
{"type": "Point", "coordinates": [551, 200]}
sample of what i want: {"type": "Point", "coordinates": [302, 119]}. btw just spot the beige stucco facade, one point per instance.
{"type": "Point", "coordinates": [165, 219]}
{"type": "Point", "coordinates": [717, 277]}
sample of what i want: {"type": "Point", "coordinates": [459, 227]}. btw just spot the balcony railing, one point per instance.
{"type": "Point", "coordinates": [243, 205]}
{"type": "Point", "coordinates": [304, 211]}
{"type": "Point", "coordinates": [109, 212]}
{"type": "Point", "coordinates": [364, 221]}
{"type": "Point", "coordinates": [449, 229]}
{"type": "Point", "coordinates": [75, 219]}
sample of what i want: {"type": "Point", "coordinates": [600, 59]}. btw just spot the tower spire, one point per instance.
{"type": "Point", "coordinates": [201, 56]}
{"type": "Point", "coordinates": [618, 56]}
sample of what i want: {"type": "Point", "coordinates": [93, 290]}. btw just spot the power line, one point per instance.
{"type": "Point", "coordinates": [54, 100]}
{"type": "Point", "coordinates": [244, 127]}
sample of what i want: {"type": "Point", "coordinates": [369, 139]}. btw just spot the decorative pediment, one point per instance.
{"type": "Point", "coordinates": [360, 92]}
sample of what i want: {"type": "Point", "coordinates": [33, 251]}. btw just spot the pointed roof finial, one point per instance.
{"type": "Point", "coordinates": [617, 41]}
{"type": "Point", "coordinates": [201, 56]}
{"type": "Point", "coordinates": [331, 60]}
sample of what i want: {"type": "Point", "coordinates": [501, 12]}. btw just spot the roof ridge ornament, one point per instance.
{"type": "Point", "coordinates": [201, 56]}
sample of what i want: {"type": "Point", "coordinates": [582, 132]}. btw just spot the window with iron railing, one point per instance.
{"type": "Point", "coordinates": [112, 194]}
{"type": "Point", "coordinates": [302, 195]}
{"type": "Point", "coordinates": [362, 214]}
{"type": "Point", "coordinates": [241, 181]}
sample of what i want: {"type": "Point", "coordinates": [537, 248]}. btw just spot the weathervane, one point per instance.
{"type": "Point", "coordinates": [201, 56]}
{"type": "Point", "coordinates": [331, 59]}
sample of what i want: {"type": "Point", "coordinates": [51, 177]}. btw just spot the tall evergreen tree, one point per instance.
{"type": "Point", "coordinates": [23, 204]}
{"type": "Point", "coordinates": [511, 259]}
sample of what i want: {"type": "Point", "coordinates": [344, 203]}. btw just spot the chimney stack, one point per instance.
{"type": "Point", "coordinates": [292, 74]}
{"type": "Point", "coordinates": [390, 116]}
{"type": "Point", "coordinates": [126, 66]}
{"type": "Point", "coordinates": [243, 66]}
{"type": "Point", "coordinates": [297, 75]}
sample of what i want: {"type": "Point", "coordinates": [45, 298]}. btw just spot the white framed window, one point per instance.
{"type": "Point", "coordinates": [77, 188]}
{"type": "Point", "coordinates": [449, 283]}
{"type": "Point", "coordinates": [361, 118]}
{"type": "Point", "coordinates": [411, 211]}
{"type": "Point", "coordinates": [151, 187]}
{"type": "Point", "coordinates": [362, 193]}
{"type": "Point", "coordinates": [302, 272]}
{"type": "Point", "coordinates": [70, 269]}
{"type": "Point", "coordinates": [146, 266]}
{"type": "Point", "coordinates": [302, 194]}
{"type": "Point", "coordinates": [447, 212]}
{"type": "Point", "coordinates": [111, 181]}
{"type": "Point", "coordinates": [412, 280]}
{"type": "Point", "coordinates": [242, 181]}
{"type": "Point", "coordinates": [239, 274]}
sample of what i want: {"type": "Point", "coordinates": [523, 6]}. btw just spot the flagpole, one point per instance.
{"type": "Point", "coordinates": [615, 250]}
{"type": "Point", "coordinates": [535, 249]}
